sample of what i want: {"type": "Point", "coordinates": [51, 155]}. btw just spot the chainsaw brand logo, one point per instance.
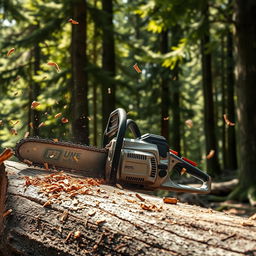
{"type": "Point", "coordinates": [52, 154]}
{"type": "Point", "coordinates": [58, 154]}
{"type": "Point", "coordinates": [69, 155]}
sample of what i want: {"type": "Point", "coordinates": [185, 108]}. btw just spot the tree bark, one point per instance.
{"type": "Point", "coordinates": [165, 93]}
{"type": "Point", "coordinates": [223, 104]}
{"type": "Point", "coordinates": [213, 166]}
{"type": "Point", "coordinates": [175, 92]}
{"type": "Point", "coordinates": [79, 90]}
{"type": "Point", "coordinates": [246, 76]}
{"type": "Point", "coordinates": [111, 221]}
{"type": "Point", "coordinates": [94, 93]}
{"type": "Point", "coordinates": [231, 133]}
{"type": "Point", "coordinates": [108, 62]}
{"type": "Point", "coordinates": [35, 114]}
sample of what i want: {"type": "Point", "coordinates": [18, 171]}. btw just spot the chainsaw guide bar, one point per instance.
{"type": "Point", "coordinates": [87, 160]}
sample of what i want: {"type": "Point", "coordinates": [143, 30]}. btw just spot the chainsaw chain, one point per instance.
{"type": "Point", "coordinates": [52, 142]}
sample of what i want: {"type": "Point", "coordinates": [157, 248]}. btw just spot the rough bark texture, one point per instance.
{"type": "Point", "coordinates": [108, 62]}
{"type": "Point", "coordinates": [165, 93]}
{"type": "Point", "coordinates": [246, 76]}
{"type": "Point", "coordinates": [181, 229]}
{"type": "Point", "coordinates": [36, 87]}
{"type": "Point", "coordinates": [175, 98]}
{"type": "Point", "coordinates": [223, 104]}
{"type": "Point", "coordinates": [209, 119]}
{"type": "Point", "coordinates": [79, 88]}
{"type": "Point", "coordinates": [231, 133]}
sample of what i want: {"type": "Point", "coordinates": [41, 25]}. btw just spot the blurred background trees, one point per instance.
{"type": "Point", "coordinates": [186, 53]}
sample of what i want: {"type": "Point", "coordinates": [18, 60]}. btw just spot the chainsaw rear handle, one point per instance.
{"type": "Point", "coordinates": [179, 163]}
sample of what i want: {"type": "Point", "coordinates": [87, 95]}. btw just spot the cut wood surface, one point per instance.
{"type": "Point", "coordinates": [111, 221]}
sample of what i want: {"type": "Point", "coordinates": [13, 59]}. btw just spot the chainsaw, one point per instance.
{"type": "Point", "coordinates": [144, 161]}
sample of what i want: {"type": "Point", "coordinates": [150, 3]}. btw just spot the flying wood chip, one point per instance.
{"type": "Point", "coordinates": [58, 115]}
{"type": "Point", "coordinates": [13, 131]}
{"type": "Point", "coordinates": [10, 51]}
{"type": "Point", "coordinates": [211, 154]}
{"type": "Point", "coordinates": [26, 135]}
{"type": "Point", "coordinates": [54, 65]}
{"type": "Point", "coordinates": [136, 67]}
{"type": "Point", "coordinates": [170, 200]}
{"type": "Point", "coordinates": [34, 104]}
{"type": "Point", "coordinates": [77, 234]}
{"type": "Point", "coordinates": [7, 153]}
{"type": "Point", "coordinates": [73, 21]}
{"type": "Point", "coordinates": [140, 197]}
{"type": "Point", "coordinates": [64, 120]}
{"type": "Point", "coordinates": [7, 212]}
{"type": "Point", "coordinates": [183, 171]}
{"type": "Point", "coordinates": [229, 123]}
{"type": "Point", "coordinates": [189, 123]}
{"type": "Point", "coordinates": [41, 125]}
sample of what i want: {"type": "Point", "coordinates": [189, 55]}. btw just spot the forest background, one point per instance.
{"type": "Point", "coordinates": [177, 67]}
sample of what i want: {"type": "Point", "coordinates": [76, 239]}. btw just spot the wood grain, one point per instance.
{"type": "Point", "coordinates": [111, 221]}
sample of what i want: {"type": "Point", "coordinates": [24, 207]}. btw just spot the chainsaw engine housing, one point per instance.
{"type": "Point", "coordinates": [139, 163]}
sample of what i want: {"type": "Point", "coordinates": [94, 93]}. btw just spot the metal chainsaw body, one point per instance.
{"type": "Point", "coordinates": [144, 161]}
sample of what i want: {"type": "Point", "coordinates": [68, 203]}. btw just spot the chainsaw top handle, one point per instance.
{"type": "Point", "coordinates": [133, 128]}
{"type": "Point", "coordinates": [116, 127]}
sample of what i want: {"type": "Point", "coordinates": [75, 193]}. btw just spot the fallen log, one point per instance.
{"type": "Point", "coordinates": [107, 220]}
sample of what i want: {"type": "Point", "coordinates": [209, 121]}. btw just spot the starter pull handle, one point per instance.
{"type": "Point", "coordinates": [178, 163]}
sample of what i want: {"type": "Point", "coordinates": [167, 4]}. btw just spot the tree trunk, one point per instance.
{"type": "Point", "coordinates": [111, 221]}
{"type": "Point", "coordinates": [108, 62]}
{"type": "Point", "coordinates": [231, 134]}
{"type": "Point", "coordinates": [176, 110]}
{"type": "Point", "coordinates": [223, 105]}
{"type": "Point", "coordinates": [79, 91]}
{"type": "Point", "coordinates": [165, 93]}
{"type": "Point", "coordinates": [35, 118]}
{"type": "Point", "coordinates": [175, 104]}
{"type": "Point", "coordinates": [95, 96]}
{"type": "Point", "coordinates": [213, 166]}
{"type": "Point", "coordinates": [246, 77]}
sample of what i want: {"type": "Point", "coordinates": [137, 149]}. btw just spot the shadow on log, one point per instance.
{"type": "Point", "coordinates": [111, 221]}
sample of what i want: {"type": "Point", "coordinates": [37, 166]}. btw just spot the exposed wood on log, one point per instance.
{"type": "Point", "coordinates": [112, 221]}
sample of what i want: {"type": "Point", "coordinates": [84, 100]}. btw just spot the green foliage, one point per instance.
{"type": "Point", "coordinates": [137, 26]}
